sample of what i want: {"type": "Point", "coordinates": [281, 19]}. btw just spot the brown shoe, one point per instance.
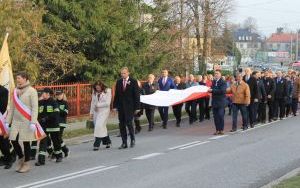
{"type": "Point", "coordinates": [221, 133]}
{"type": "Point", "coordinates": [20, 164]}
{"type": "Point", "coordinates": [216, 133]}
{"type": "Point", "coordinates": [25, 167]}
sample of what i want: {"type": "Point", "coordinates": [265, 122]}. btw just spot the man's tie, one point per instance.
{"type": "Point", "coordinates": [124, 84]}
{"type": "Point", "coordinates": [164, 81]}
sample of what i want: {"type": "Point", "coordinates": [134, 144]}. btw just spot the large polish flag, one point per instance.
{"type": "Point", "coordinates": [173, 96]}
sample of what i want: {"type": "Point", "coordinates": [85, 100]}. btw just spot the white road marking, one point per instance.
{"type": "Point", "coordinates": [190, 146]}
{"type": "Point", "coordinates": [218, 137]}
{"type": "Point", "coordinates": [147, 156]}
{"type": "Point", "coordinates": [180, 146]}
{"type": "Point", "coordinates": [67, 177]}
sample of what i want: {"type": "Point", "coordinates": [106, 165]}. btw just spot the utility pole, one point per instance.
{"type": "Point", "coordinates": [207, 18]}
{"type": "Point", "coordinates": [291, 47]}
{"type": "Point", "coordinates": [297, 43]}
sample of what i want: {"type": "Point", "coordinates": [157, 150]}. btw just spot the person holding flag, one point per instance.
{"type": "Point", "coordinates": [22, 119]}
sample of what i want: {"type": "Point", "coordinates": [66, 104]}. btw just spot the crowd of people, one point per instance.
{"type": "Point", "coordinates": [253, 93]}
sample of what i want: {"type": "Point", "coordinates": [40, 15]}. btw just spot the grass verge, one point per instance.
{"type": "Point", "coordinates": [293, 182]}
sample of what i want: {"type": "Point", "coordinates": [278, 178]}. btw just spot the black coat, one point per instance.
{"type": "Point", "coordinates": [270, 87]}
{"type": "Point", "coordinates": [148, 90]}
{"type": "Point", "coordinates": [253, 86]}
{"type": "Point", "coordinates": [3, 99]}
{"type": "Point", "coordinates": [281, 90]}
{"type": "Point", "coordinates": [219, 94]}
{"type": "Point", "coordinates": [127, 101]}
{"type": "Point", "coordinates": [49, 114]}
{"type": "Point", "coordinates": [262, 95]}
{"type": "Point", "coordinates": [180, 86]}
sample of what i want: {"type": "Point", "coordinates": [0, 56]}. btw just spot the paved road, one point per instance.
{"type": "Point", "coordinates": [189, 156]}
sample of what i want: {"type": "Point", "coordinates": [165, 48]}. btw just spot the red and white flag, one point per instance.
{"type": "Point", "coordinates": [173, 96]}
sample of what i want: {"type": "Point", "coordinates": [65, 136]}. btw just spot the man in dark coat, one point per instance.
{"type": "Point", "coordinates": [127, 102]}
{"type": "Point", "coordinates": [177, 109]}
{"type": "Point", "coordinates": [165, 83]}
{"type": "Point", "coordinates": [4, 141]}
{"type": "Point", "coordinates": [218, 91]}
{"type": "Point", "coordinates": [280, 96]}
{"type": "Point", "coordinates": [262, 98]}
{"type": "Point", "coordinates": [270, 87]}
{"type": "Point", "coordinates": [149, 88]}
{"type": "Point", "coordinates": [252, 108]}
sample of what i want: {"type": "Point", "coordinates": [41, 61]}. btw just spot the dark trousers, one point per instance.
{"type": "Point", "coordinates": [5, 150]}
{"type": "Point", "coordinates": [279, 108]}
{"type": "Point", "coordinates": [288, 109]}
{"type": "Point", "coordinates": [126, 122]}
{"type": "Point", "coordinates": [252, 113]}
{"type": "Point", "coordinates": [207, 108]}
{"type": "Point", "coordinates": [270, 110]}
{"type": "Point", "coordinates": [235, 110]}
{"type": "Point", "coordinates": [177, 111]}
{"type": "Point", "coordinates": [150, 117]}
{"type": "Point", "coordinates": [294, 106]}
{"type": "Point", "coordinates": [191, 109]}
{"type": "Point", "coordinates": [18, 149]}
{"type": "Point", "coordinates": [219, 118]}
{"type": "Point", "coordinates": [201, 103]}
{"type": "Point", "coordinates": [55, 138]}
{"type": "Point", "coordinates": [262, 112]}
{"type": "Point", "coordinates": [105, 141]}
{"type": "Point", "coordinates": [33, 149]}
{"type": "Point", "coordinates": [164, 114]}
{"type": "Point", "coordinates": [64, 148]}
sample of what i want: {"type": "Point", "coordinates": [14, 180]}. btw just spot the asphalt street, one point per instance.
{"type": "Point", "coordinates": [189, 156]}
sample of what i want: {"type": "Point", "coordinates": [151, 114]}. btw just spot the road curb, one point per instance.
{"type": "Point", "coordinates": [282, 178]}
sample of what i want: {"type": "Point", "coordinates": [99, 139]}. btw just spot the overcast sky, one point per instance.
{"type": "Point", "coordinates": [269, 14]}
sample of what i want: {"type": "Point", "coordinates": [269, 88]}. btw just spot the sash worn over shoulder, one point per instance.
{"type": "Point", "coordinates": [25, 111]}
{"type": "Point", "coordinates": [3, 128]}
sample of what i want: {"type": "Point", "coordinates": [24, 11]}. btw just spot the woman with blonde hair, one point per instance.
{"type": "Point", "coordinates": [99, 112]}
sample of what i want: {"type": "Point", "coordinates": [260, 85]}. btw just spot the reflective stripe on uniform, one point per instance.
{"type": "Point", "coordinates": [41, 109]}
{"type": "Point", "coordinates": [67, 111]}
{"type": "Point", "coordinates": [56, 110]}
{"type": "Point", "coordinates": [42, 153]}
{"type": "Point", "coordinates": [33, 147]}
{"type": "Point", "coordinates": [57, 152]}
{"type": "Point", "coordinates": [63, 125]}
{"type": "Point", "coordinates": [52, 129]}
{"type": "Point", "coordinates": [49, 108]}
{"type": "Point", "coordinates": [63, 144]}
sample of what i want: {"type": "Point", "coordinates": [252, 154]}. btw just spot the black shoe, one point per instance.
{"type": "Point", "coordinates": [96, 148]}
{"type": "Point", "coordinates": [150, 129]}
{"type": "Point", "coordinates": [233, 130]}
{"type": "Point", "coordinates": [39, 163]}
{"type": "Point", "coordinates": [245, 128]}
{"type": "Point", "coordinates": [59, 159]}
{"type": "Point", "coordinates": [8, 166]}
{"type": "Point", "coordinates": [252, 126]}
{"type": "Point", "coordinates": [2, 161]}
{"type": "Point", "coordinates": [132, 143]}
{"type": "Point", "coordinates": [123, 146]}
{"type": "Point", "coordinates": [107, 146]}
{"type": "Point", "coordinates": [164, 126]}
{"type": "Point", "coordinates": [177, 124]}
{"type": "Point", "coordinates": [66, 152]}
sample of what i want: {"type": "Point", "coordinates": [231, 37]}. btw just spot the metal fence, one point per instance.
{"type": "Point", "coordinates": [78, 95]}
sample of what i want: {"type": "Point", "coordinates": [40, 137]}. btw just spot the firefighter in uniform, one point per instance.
{"type": "Point", "coordinates": [63, 113]}
{"type": "Point", "coordinates": [48, 118]}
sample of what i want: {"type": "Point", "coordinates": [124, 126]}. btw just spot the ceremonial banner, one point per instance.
{"type": "Point", "coordinates": [173, 96]}
{"type": "Point", "coordinates": [6, 75]}
{"type": "Point", "coordinates": [25, 111]}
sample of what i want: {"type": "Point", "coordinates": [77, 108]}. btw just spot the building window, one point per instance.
{"type": "Point", "coordinates": [240, 38]}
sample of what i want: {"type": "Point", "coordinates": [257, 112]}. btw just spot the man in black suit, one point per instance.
{"type": "Point", "coordinates": [270, 87]}
{"type": "Point", "coordinates": [127, 102]}
{"type": "Point", "coordinates": [252, 108]}
{"type": "Point", "coordinates": [4, 141]}
{"type": "Point", "coordinates": [218, 90]}
{"type": "Point", "coordinates": [280, 96]}
{"type": "Point", "coordinates": [149, 88]}
{"type": "Point", "coordinates": [177, 109]}
{"type": "Point", "coordinates": [262, 99]}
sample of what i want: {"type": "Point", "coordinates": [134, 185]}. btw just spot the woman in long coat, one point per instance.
{"type": "Point", "coordinates": [100, 110]}
{"type": "Point", "coordinates": [23, 130]}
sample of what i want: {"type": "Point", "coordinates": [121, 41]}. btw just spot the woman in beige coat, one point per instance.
{"type": "Point", "coordinates": [100, 110]}
{"type": "Point", "coordinates": [22, 129]}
